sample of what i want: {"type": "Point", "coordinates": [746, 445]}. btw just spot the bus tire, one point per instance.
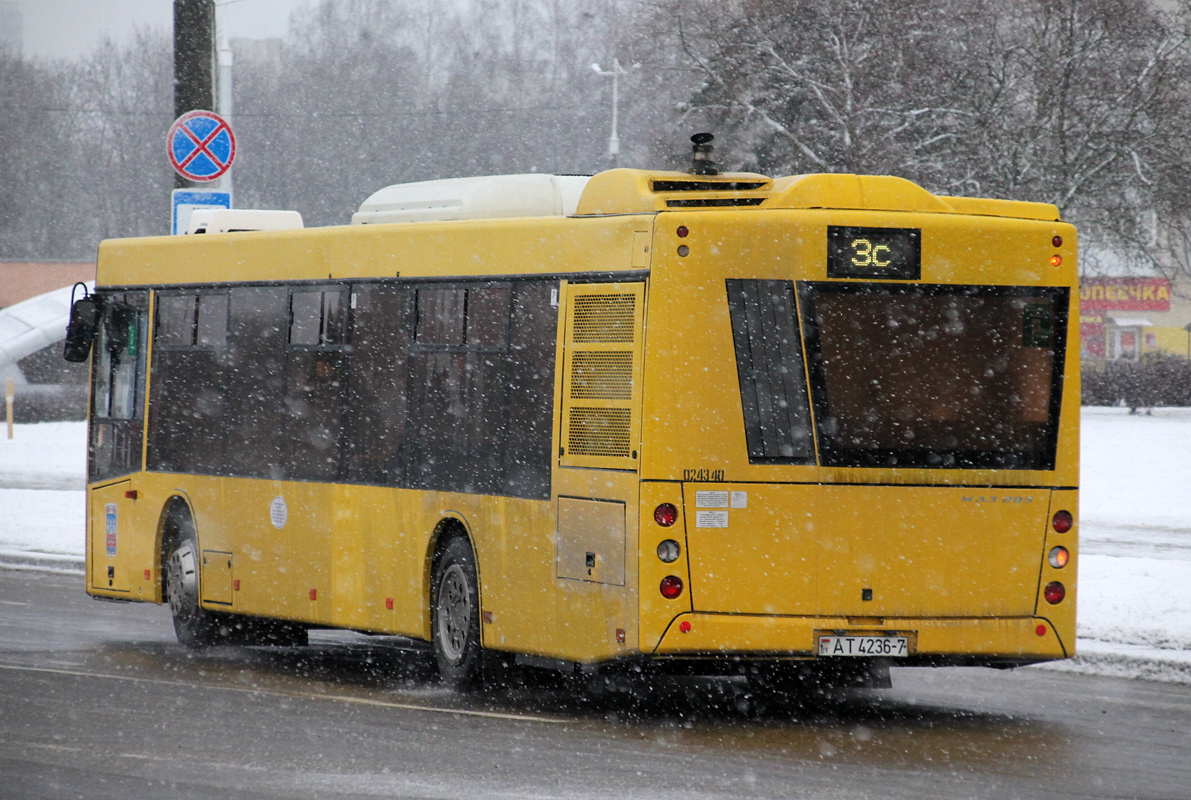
{"type": "Point", "coordinates": [194, 626]}
{"type": "Point", "coordinates": [455, 616]}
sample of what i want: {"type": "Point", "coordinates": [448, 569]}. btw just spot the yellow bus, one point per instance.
{"type": "Point", "coordinates": [687, 422]}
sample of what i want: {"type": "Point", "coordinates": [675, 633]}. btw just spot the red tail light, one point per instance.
{"type": "Point", "coordinates": [1054, 592]}
{"type": "Point", "coordinates": [665, 515]}
{"type": "Point", "coordinates": [671, 587]}
{"type": "Point", "coordinates": [1062, 521]}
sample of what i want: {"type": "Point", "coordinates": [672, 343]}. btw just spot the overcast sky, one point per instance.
{"type": "Point", "coordinates": [72, 28]}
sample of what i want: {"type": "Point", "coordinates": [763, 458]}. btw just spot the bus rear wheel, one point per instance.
{"type": "Point", "coordinates": [455, 616]}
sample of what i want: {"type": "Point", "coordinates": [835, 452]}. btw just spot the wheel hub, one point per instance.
{"type": "Point", "coordinates": [181, 583]}
{"type": "Point", "coordinates": [454, 612]}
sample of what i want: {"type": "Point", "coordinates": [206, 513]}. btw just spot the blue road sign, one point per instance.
{"type": "Point", "coordinates": [201, 146]}
{"type": "Point", "coordinates": [185, 201]}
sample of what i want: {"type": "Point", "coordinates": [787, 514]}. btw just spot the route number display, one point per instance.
{"type": "Point", "coordinates": [854, 252]}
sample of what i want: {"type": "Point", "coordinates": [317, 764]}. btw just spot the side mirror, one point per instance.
{"type": "Point", "coordinates": [80, 331]}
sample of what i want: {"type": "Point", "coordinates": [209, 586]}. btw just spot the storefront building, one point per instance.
{"type": "Point", "coordinates": [1126, 318]}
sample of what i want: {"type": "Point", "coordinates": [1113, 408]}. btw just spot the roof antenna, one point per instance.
{"type": "Point", "coordinates": [701, 162]}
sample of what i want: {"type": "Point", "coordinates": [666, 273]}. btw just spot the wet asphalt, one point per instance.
{"type": "Point", "coordinates": [97, 700]}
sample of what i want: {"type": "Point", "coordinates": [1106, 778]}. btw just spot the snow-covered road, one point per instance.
{"type": "Point", "coordinates": [1135, 535]}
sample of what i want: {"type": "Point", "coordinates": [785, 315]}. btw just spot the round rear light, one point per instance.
{"type": "Point", "coordinates": [1055, 260]}
{"type": "Point", "coordinates": [683, 230]}
{"type": "Point", "coordinates": [1058, 557]}
{"type": "Point", "coordinates": [668, 551]}
{"type": "Point", "coordinates": [1054, 592]}
{"type": "Point", "coordinates": [1057, 241]}
{"type": "Point", "coordinates": [665, 515]}
{"type": "Point", "coordinates": [683, 250]}
{"type": "Point", "coordinates": [1062, 521]}
{"type": "Point", "coordinates": [671, 587]}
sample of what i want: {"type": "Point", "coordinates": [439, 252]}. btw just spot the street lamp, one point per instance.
{"type": "Point", "coordinates": [614, 139]}
{"type": "Point", "coordinates": [223, 82]}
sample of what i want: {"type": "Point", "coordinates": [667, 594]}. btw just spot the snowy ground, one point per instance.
{"type": "Point", "coordinates": [1135, 540]}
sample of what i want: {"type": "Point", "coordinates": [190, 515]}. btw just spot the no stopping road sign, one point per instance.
{"type": "Point", "coordinates": [201, 146]}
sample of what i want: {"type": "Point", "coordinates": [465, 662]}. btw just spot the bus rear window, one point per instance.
{"type": "Point", "coordinates": [935, 376]}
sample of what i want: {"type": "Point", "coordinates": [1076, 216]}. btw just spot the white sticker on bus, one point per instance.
{"type": "Point", "coordinates": [278, 512]}
{"type": "Point", "coordinates": [711, 519]}
{"type": "Point", "coordinates": [740, 499]}
{"type": "Point", "coordinates": [711, 499]}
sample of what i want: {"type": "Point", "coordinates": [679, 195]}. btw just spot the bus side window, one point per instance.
{"type": "Point", "coordinates": [533, 334]}
{"type": "Point", "coordinates": [305, 317]}
{"type": "Point", "coordinates": [187, 402]}
{"type": "Point", "coordinates": [455, 440]}
{"type": "Point", "coordinates": [315, 383]}
{"type": "Point", "coordinates": [254, 381]}
{"type": "Point", "coordinates": [378, 369]}
{"type": "Point", "coordinates": [441, 316]}
{"type": "Point", "coordinates": [118, 356]}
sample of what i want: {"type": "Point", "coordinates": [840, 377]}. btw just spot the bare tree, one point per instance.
{"type": "Point", "coordinates": [1080, 103]}
{"type": "Point", "coordinates": [123, 103]}
{"type": "Point", "coordinates": [1083, 107]}
{"type": "Point", "coordinates": [823, 85]}
{"type": "Point", "coordinates": [36, 140]}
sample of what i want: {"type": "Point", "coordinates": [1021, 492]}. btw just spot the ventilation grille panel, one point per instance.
{"type": "Point", "coordinates": [601, 392]}
{"type": "Point", "coordinates": [604, 319]}
{"type": "Point", "coordinates": [707, 186]}
{"type": "Point", "coordinates": [714, 202]}
{"type": "Point", "coordinates": [602, 375]}
{"type": "Point", "coordinates": [600, 432]}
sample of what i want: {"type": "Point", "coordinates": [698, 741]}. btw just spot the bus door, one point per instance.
{"type": "Point", "coordinates": [115, 437]}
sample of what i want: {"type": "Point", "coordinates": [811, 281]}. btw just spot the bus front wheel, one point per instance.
{"type": "Point", "coordinates": [194, 626]}
{"type": "Point", "coordinates": [455, 616]}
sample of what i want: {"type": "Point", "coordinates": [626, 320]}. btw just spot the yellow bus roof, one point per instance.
{"type": "Point", "coordinates": [631, 191]}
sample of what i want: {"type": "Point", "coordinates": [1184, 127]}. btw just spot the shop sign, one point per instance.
{"type": "Point", "coordinates": [1124, 294]}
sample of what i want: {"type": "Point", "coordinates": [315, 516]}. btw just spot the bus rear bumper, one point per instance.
{"type": "Point", "coordinates": [1012, 640]}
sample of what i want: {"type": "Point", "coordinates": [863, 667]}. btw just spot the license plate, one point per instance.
{"type": "Point", "coordinates": [886, 646]}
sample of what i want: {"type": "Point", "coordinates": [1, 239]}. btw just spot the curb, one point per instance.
{"type": "Point", "coordinates": [43, 562]}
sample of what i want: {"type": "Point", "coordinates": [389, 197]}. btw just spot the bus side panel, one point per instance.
{"type": "Point", "coordinates": [373, 562]}
{"type": "Point", "coordinates": [280, 537]}
{"type": "Point", "coordinates": [515, 540]}
{"type": "Point", "coordinates": [594, 620]}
